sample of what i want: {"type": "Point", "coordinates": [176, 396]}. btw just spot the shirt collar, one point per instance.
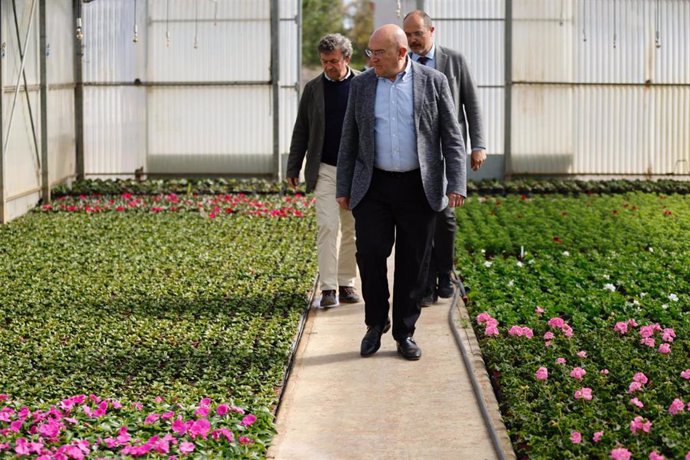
{"type": "Point", "coordinates": [431, 54]}
{"type": "Point", "coordinates": [347, 75]}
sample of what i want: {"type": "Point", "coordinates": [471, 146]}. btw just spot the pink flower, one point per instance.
{"type": "Point", "coordinates": [202, 411]}
{"type": "Point", "coordinates": [248, 420]}
{"type": "Point", "coordinates": [549, 335]}
{"type": "Point", "coordinates": [654, 455]}
{"type": "Point", "coordinates": [634, 386]}
{"type": "Point", "coordinates": [158, 400]}
{"type": "Point", "coordinates": [641, 378]}
{"type": "Point", "coordinates": [664, 348]}
{"type": "Point", "coordinates": [151, 419]}
{"type": "Point", "coordinates": [222, 409]}
{"type": "Point", "coordinates": [640, 424]}
{"type": "Point", "coordinates": [582, 354]}
{"type": "Point", "coordinates": [637, 402]}
{"type": "Point", "coordinates": [223, 432]}
{"type": "Point", "coordinates": [676, 406]}
{"type": "Point", "coordinates": [647, 331]}
{"type": "Point", "coordinates": [576, 437]}
{"type": "Point", "coordinates": [578, 373]}
{"type": "Point", "coordinates": [604, 372]}
{"type": "Point", "coordinates": [527, 332]}
{"type": "Point", "coordinates": [620, 453]}
{"type": "Point", "coordinates": [668, 335]}
{"type": "Point", "coordinates": [179, 426]}
{"type": "Point", "coordinates": [515, 331]}
{"type": "Point", "coordinates": [621, 327]}
{"type": "Point", "coordinates": [567, 331]}
{"type": "Point", "coordinates": [556, 323]}
{"type": "Point", "coordinates": [49, 430]}
{"type": "Point", "coordinates": [560, 360]}
{"type": "Point", "coordinates": [186, 447]}
{"type": "Point", "coordinates": [539, 311]}
{"type": "Point", "coordinates": [491, 331]}
{"type": "Point", "coordinates": [167, 415]}
{"type": "Point", "coordinates": [632, 323]}
{"type": "Point", "coordinates": [483, 317]}
{"type": "Point", "coordinates": [584, 393]}
{"type": "Point", "coordinates": [21, 447]}
{"type": "Point", "coordinates": [123, 437]}
{"type": "Point", "coordinates": [245, 440]}
{"type": "Point", "coordinates": [685, 374]}
{"type": "Point", "coordinates": [597, 436]}
{"type": "Point", "coordinates": [542, 374]}
{"type": "Point", "coordinates": [200, 428]}
{"type": "Point", "coordinates": [648, 341]}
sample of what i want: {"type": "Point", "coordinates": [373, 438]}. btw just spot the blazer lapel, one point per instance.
{"type": "Point", "coordinates": [441, 60]}
{"type": "Point", "coordinates": [418, 85]}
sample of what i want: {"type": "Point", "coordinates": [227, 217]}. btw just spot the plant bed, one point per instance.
{"type": "Point", "coordinates": [150, 310]}
{"type": "Point", "coordinates": [581, 307]}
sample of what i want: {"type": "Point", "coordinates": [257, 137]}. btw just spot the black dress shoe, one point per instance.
{"type": "Point", "coordinates": [372, 339]}
{"type": "Point", "coordinates": [445, 286]}
{"type": "Point", "coordinates": [408, 349]}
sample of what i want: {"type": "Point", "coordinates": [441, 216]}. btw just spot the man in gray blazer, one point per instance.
{"type": "Point", "coordinates": [317, 133]}
{"type": "Point", "coordinates": [420, 35]}
{"type": "Point", "coordinates": [401, 160]}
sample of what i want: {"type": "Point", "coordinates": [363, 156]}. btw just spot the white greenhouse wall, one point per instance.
{"type": "Point", "coordinates": [22, 179]}
{"type": "Point", "coordinates": [201, 103]}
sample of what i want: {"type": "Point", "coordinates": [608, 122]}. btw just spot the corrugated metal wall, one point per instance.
{"type": "Point", "coordinates": [591, 91]}
{"type": "Point", "coordinates": [204, 105]}
{"type": "Point", "coordinates": [21, 140]}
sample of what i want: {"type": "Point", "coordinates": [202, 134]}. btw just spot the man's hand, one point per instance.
{"type": "Point", "coordinates": [455, 200]}
{"type": "Point", "coordinates": [343, 201]}
{"type": "Point", "coordinates": [293, 181]}
{"type": "Point", "coordinates": [478, 159]}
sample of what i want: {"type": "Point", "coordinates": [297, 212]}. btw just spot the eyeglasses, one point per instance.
{"type": "Point", "coordinates": [374, 53]}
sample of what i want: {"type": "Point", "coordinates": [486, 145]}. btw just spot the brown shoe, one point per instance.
{"type": "Point", "coordinates": [348, 294]}
{"type": "Point", "coordinates": [328, 298]}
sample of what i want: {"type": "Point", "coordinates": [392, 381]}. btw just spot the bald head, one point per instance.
{"type": "Point", "coordinates": [388, 45]}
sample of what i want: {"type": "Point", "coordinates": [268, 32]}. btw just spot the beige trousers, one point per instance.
{"type": "Point", "coordinates": [335, 239]}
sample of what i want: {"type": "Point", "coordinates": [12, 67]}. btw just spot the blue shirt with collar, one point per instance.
{"type": "Point", "coordinates": [431, 55]}
{"type": "Point", "coordinates": [394, 128]}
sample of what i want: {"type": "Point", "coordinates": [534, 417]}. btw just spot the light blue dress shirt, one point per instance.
{"type": "Point", "coordinates": [394, 128]}
{"type": "Point", "coordinates": [431, 55]}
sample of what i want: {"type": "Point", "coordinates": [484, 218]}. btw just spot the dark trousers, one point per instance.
{"type": "Point", "coordinates": [394, 210]}
{"type": "Point", "coordinates": [443, 249]}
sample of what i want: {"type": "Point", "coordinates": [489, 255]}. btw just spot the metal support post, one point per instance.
{"type": "Point", "coordinates": [508, 97]}
{"type": "Point", "coordinates": [275, 85]}
{"type": "Point", "coordinates": [2, 124]}
{"type": "Point", "coordinates": [78, 91]}
{"type": "Point", "coordinates": [45, 166]}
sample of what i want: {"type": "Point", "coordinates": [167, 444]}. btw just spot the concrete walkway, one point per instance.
{"type": "Point", "coordinates": [338, 405]}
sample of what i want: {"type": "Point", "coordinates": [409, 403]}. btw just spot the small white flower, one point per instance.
{"type": "Point", "coordinates": [483, 251]}
{"type": "Point", "coordinates": [636, 303]}
{"type": "Point", "coordinates": [519, 264]}
{"type": "Point", "coordinates": [566, 253]}
{"type": "Point", "coordinates": [510, 283]}
{"type": "Point", "coordinates": [531, 261]}
{"type": "Point", "coordinates": [605, 277]}
{"type": "Point", "coordinates": [673, 297]}
{"type": "Point", "coordinates": [488, 263]}
{"type": "Point", "coordinates": [665, 306]}
{"type": "Point", "coordinates": [609, 287]}
{"type": "Point", "coordinates": [642, 295]}
{"type": "Point", "coordinates": [651, 249]}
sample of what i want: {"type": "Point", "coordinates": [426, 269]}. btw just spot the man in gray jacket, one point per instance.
{"type": "Point", "coordinates": [317, 133]}
{"type": "Point", "coordinates": [420, 35]}
{"type": "Point", "coordinates": [401, 160]}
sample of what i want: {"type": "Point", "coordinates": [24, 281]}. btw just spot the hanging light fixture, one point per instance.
{"type": "Point", "coordinates": [584, 20]}
{"type": "Point", "coordinates": [658, 25]}
{"type": "Point", "coordinates": [167, 23]}
{"type": "Point", "coordinates": [136, 28]}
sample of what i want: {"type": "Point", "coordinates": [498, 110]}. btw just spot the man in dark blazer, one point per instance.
{"type": "Point", "coordinates": [401, 160]}
{"type": "Point", "coordinates": [317, 132]}
{"type": "Point", "coordinates": [420, 35]}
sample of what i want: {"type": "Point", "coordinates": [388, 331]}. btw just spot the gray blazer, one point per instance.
{"type": "Point", "coordinates": [454, 66]}
{"type": "Point", "coordinates": [308, 133]}
{"type": "Point", "coordinates": [438, 138]}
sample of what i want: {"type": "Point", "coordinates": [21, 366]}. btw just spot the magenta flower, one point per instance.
{"type": "Point", "coordinates": [202, 412]}
{"type": "Point", "coordinates": [216, 434]}
{"type": "Point", "coordinates": [654, 455]}
{"type": "Point", "coordinates": [245, 440]}
{"type": "Point", "coordinates": [664, 349]}
{"type": "Point", "coordinates": [576, 437]}
{"type": "Point", "coordinates": [621, 327]}
{"type": "Point", "coordinates": [186, 447]}
{"type": "Point", "coordinates": [620, 453]}
{"type": "Point", "coordinates": [560, 360]}
{"type": "Point", "coordinates": [491, 331]}
{"type": "Point", "coordinates": [167, 415]}
{"type": "Point", "coordinates": [123, 437]}
{"type": "Point", "coordinates": [597, 436]}
{"type": "Point", "coordinates": [542, 374]}
{"type": "Point", "coordinates": [634, 386]}
{"type": "Point", "coordinates": [222, 409]}
{"type": "Point", "coordinates": [668, 335]}
{"type": "Point", "coordinates": [151, 419]}
{"type": "Point", "coordinates": [685, 374]}
{"type": "Point", "coordinates": [636, 402]}
{"type": "Point", "coordinates": [200, 428]}
{"type": "Point", "coordinates": [640, 424]}
{"type": "Point", "coordinates": [640, 377]}
{"type": "Point", "coordinates": [21, 447]}
{"type": "Point", "coordinates": [556, 323]}
{"type": "Point", "coordinates": [584, 393]}
{"type": "Point", "coordinates": [578, 373]}
{"type": "Point", "coordinates": [49, 430]}
{"type": "Point", "coordinates": [248, 420]}
{"type": "Point", "coordinates": [676, 406]}
{"type": "Point", "coordinates": [483, 317]}
{"type": "Point", "coordinates": [179, 426]}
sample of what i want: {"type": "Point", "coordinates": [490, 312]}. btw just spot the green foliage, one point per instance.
{"type": "Point", "coordinates": [592, 260]}
{"type": "Point", "coordinates": [319, 17]}
{"type": "Point", "coordinates": [136, 305]}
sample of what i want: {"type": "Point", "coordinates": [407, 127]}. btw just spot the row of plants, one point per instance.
{"type": "Point", "coordinates": [262, 186]}
{"type": "Point", "coordinates": [180, 322]}
{"type": "Point", "coordinates": [581, 307]}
